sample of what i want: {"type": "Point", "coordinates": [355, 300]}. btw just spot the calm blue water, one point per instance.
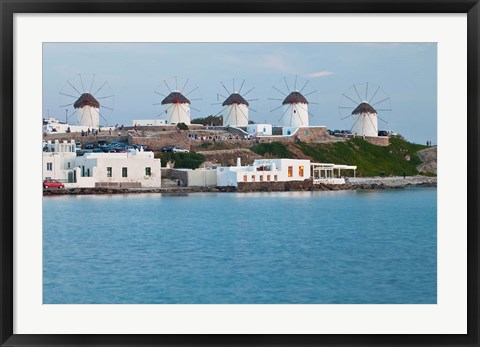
{"type": "Point", "coordinates": [290, 247]}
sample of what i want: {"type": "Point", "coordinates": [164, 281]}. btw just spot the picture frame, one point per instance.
{"type": "Point", "coordinates": [7, 295]}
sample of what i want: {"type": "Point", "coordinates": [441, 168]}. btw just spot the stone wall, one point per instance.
{"type": "Point", "coordinates": [162, 140]}
{"type": "Point", "coordinates": [378, 141]}
{"type": "Point", "coordinates": [275, 186]}
{"type": "Point", "coordinates": [304, 134]}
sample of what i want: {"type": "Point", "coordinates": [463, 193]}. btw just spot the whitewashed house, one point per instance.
{"type": "Point", "coordinates": [133, 169]}
{"type": "Point", "coordinates": [259, 129]}
{"type": "Point", "coordinates": [58, 160]}
{"type": "Point", "coordinates": [264, 170]}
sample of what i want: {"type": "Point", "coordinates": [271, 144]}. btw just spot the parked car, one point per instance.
{"type": "Point", "coordinates": [52, 184]}
{"type": "Point", "coordinates": [107, 149]}
{"type": "Point", "coordinates": [101, 143]}
{"type": "Point", "coordinates": [78, 146]}
{"type": "Point", "coordinates": [89, 145]}
{"type": "Point", "coordinates": [97, 150]}
{"type": "Point", "coordinates": [168, 149]}
{"type": "Point", "coordinates": [146, 148]}
{"type": "Point", "coordinates": [382, 133]}
{"type": "Point", "coordinates": [177, 149]}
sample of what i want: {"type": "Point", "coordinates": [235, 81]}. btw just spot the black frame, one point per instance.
{"type": "Point", "coordinates": [9, 7]}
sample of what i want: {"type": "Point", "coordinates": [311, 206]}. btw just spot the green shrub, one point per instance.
{"type": "Point", "coordinates": [190, 160]}
{"type": "Point", "coordinates": [272, 150]}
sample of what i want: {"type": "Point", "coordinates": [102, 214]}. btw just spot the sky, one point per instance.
{"type": "Point", "coordinates": [136, 74]}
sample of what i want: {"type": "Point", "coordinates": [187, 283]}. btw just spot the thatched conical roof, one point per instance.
{"type": "Point", "coordinates": [86, 99]}
{"type": "Point", "coordinates": [364, 107]}
{"type": "Point", "coordinates": [295, 98]}
{"type": "Point", "coordinates": [175, 98]}
{"type": "Point", "coordinates": [235, 98]}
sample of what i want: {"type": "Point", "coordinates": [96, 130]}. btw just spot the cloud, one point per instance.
{"type": "Point", "coordinates": [320, 74]}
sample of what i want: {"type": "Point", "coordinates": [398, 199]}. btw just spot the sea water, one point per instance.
{"type": "Point", "coordinates": [335, 247]}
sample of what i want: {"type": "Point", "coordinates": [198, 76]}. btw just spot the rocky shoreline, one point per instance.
{"type": "Point", "coordinates": [354, 184]}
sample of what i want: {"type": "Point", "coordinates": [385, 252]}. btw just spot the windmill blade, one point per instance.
{"type": "Point", "coordinates": [278, 90]}
{"type": "Point", "coordinates": [351, 108]}
{"type": "Point", "coordinates": [383, 109]}
{"type": "Point", "coordinates": [193, 108]}
{"type": "Point", "coordinates": [382, 119]}
{"type": "Point", "coordinates": [105, 119]}
{"type": "Point", "coordinates": [304, 86]}
{"type": "Point", "coordinates": [197, 99]}
{"type": "Point", "coordinates": [67, 105]}
{"type": "Point", "coordinates": [221, 96]}
{"type": "Point", "coordinates": [378, 102]}
{"type": "Point", "coordinates": [303, 108]}
{"type": "Point", "coordinates": [356, 91]}
{"type": "Point", "coordinates": [221, 111]}
{"type": "Point", "coordinates": [72, 96]}
{"type": "Point", "coordinates": [284, 112]}
{"type": "Point", "coordinates": [243, 113]}
{"type": "Point", "coordinates": [276, 108]}
{"type": "Point", "coordinates": [369, 101]}
{"type": "Point", "coordinates": [71, 115]}
{"type": "Point", "coordinates": [275, 99]}
{"type": "Point", "coordinates": [286, 84]}
{"type": "Point", "coordinates": [251, 109]}
{"type": "Point", "coordinates": [223, 85]}
{"type": "Point", "coordinates": [313, 103]}
{"type": "Point", "coordinates": [176, 85]}
{"type": "Point", "coordinates": [310, 93]}
{"type": "Point", "coordinates": [106, 97]}
{"type": "Point", "coordinates": [217, 103]}
{"type": "Point", "coordinates": [184, 86]}
{"type": "Point", "coordinates": [241, 86]}
{"type": "Point", "coordinates": [252, 99]}
{"type": "Point", "coordinates": [233, 85]}
{"type": "Point", "coordinates": [349, 98]}
{"type": "Point", "coordinates": [81, 82]}
{"type": "Point", "coordinates": [295, 84]}
{"type": "Point", "coordinates": [164, 81]}
{"type": "Point", "coordinates": [101, 87]}
{"type": "Point", "coordinates": [346, 117]}
{"type": "Point", "coordinates": [248, 92]}
{"type": "Point", "coordinates": [71, 85]}
{"type": "Point", "coordinates": [108, 108]}
{"type": "Point", "coordinates": [228, 116]}
{"type": "Point", "coordinates": [91, 84]}
{"type": "Point", "coordinates": [353, 126]}
{"type": "Point", "coordinates": [190, 92]}
{"type": "Point", "coordinates": [373, 125]}
{"type": "Point", "coordinates": [366, 92]}
{"type": "Point", "coordinates": [160, 94]}
{"type": "Point", "coordinates": [157, 103]}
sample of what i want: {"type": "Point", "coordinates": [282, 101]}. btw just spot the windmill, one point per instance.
{"type": "Point", "coordinates": [362, 102]}
{"type": "Point", "coordinates": [176, 102]}
{"type": "Point", "coordinates": [235, 107]}
{"type": "Point", "coordinates": [90, 98]}
{"type": "Point", "coordinates": [295, 106]}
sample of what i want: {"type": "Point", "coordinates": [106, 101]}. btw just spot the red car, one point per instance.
{"type": "Point", "coordinates": [48, 184]}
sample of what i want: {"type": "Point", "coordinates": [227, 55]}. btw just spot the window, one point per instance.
{"type": "Point", "coordinates": [300, 171]}
{"type": "Point", "coordinates": [244, 178]}
{"type": "Point", "coordinates": [124, 172]}
{"type": "Point", "coordinates": [68, 165]}
{"type": "Point", "coordinates": [109, 172]}
{"type": "Point", "coordinates": [148, 171]}
{"type": "Point", "coordinates": [253, 178]}
{"type": "Point", "coordinates": [275, 178]}
{"type": "Point", "coordinates": [49, 166]}
{"type": "Point", "coordinates": [290, 171]}
{"type": "Point", "coordinates": [268, 178]}
{"type": "Point", "coordinates": [88, 172]}
{"type": "Point", "coordinates": [261, 178]}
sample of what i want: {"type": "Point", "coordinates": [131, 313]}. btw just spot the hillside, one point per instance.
{"type": "Point", "coordinates": [394, 160]}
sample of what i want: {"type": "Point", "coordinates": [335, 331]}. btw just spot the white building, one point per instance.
{"type": "Point", "coordinates": [88, 111]}
{"type": "Point", "coordinates": [259, 129]}
{"type": "Point", "coordinates": [133, 169]}
{"type": "Point", "coordinates": [295, 111]}
{"type": "Point", "coordinates": [330, 173]}
{"type": "Point", "coordinates": [236, 110]}
{"type": "Point", "coordinates": [365, 120]}
{"type": "Point", "coordinates": [58, 160]}
{"type": "Point", "coordinates": [177, 108]}
{"type": "Point", "coordinates": [149, 122]}
{"type": "Point", "coordinates": [264, 170]}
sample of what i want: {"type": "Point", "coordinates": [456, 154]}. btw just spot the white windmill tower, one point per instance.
{"type": "Point", "coordinates": [294, 106]}
{"type": "Point", "coordinates": [358, 102]}
{"type": "Point", "coordinates": [176, 104]}
{"type": "Point", "coordinates": [235, 107]}
{"type": "Point", "coordinates": [86, 105]}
